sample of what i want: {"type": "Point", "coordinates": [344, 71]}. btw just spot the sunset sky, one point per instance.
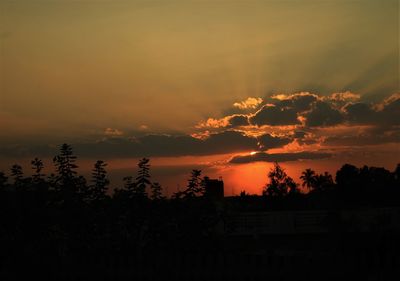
{"type": "Point", "coordinates": [224, 86]}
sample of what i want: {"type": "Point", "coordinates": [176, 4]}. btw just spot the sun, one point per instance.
{"type": "Point", "coordinates": [253, 152]}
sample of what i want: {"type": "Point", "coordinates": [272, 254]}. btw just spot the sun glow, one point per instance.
{"type": "Point", "coordinates": [253, 152]}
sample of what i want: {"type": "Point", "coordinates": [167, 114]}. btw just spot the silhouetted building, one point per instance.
{"type": "Point", "coordinates": [214, 188]}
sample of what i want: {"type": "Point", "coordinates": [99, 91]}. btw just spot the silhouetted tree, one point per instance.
{"type": "Point", "coordinates": [52, 181]}
{"type": "Point", "coordinates": [100, 181]}
{"type": "Point", "coordinates": [347, 176]}
{"type": "Point", "coordinates": [143, 178]}
{"type": "Point", "coordinates": [396, 173]}
{"type": "Point", "coordinates": [156, 191]}
{"type": "Point", "coordinates": [65, 165]}
{"type": "Point", "coordinates": [308, 177]}
{"type": "Point", "coordinates": [280, 183]}
{"type": "Point", "coordinates": [129, 184]}
{"type": "Point", "coordinates": [37, 167]}
{"type": "Point", "coordinates": [3, 181]}
{"type": "Point", "coordinates": [348, 181]}
{"type": "Point", "coordinates": [178, 195]}
{"type": "Point", "coordinates": [18, 176]}
{"type": "Point", "coordinates": [195, 186]}
{"type": "Point", "coordinates": [323, 182]}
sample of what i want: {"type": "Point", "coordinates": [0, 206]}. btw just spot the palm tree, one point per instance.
{"type": "Point", "coordinates": [309, 179]}
{"type": "Point", "coordinates": [323, 181]}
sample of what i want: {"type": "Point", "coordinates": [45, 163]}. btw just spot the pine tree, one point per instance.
{"type": "Point", "coordinates": [100, 181]}
{"type": "Point", "coordinates": [18, 175]}
{"type": "Point", "coordinates": [129, 184]}
{"type": "Point", "coordinates": [143, 178]}
{"type": "Point", "coordinates": [195, 184]}
{"type": "Point", "coordinates": [156, 191]}
{"type": "Point", "coordinates": [65, 164]}
{"type": "Point", "coordinates": [37, 167]}
{"type": "Point", "coordinates": [66, 170]}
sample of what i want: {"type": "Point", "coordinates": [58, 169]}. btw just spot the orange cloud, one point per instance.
{"type": "Point", "coordinates": [249, 103]}
{"type": "Point", "coordinates": [113, 132]}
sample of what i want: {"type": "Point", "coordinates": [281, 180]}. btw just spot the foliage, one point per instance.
{"type": "Point", "coordinates": [143, 177]}
{"type": "Point", "coordinates": [100, 182]}
{"type": "Point", "coordinates": [280, 183]}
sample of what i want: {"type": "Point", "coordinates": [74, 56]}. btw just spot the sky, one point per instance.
{"type": "Point", "coordinates": [228, 87]}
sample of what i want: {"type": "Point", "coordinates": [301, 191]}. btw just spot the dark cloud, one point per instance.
{"type": "Point", "coordinates": [148, 146]}
{"type": "Point", "coordinates": [390, 114]}
{"type": "Point", "coordinates": [268, 141]}
{"type": "Point", "coordinates": [384, 114]}
{"type": "Point", "coordinates": [275, 116]}
{"type": "Point", "coordinates": [299, 134]}
{"type": "Point", "coordinates": [323, 115]}
{"type": "Point", "coordinates": [364, 139]}
{"type": "Point", "coordinates": [277, 157]}
{"type": "Point", "coordinates": [360, 113]}
{"type": "Point", "coordinates": [299, 102]}
{"type": "Point", "coordinates": [238, 120]}
{"type": "Point", "coordinates": [382, 121]}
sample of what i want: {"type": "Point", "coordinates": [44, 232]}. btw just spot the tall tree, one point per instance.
{"type": "Point", "coordinates": [323, 182]}
{"type": "Point", "coordinates": [308, 177]}
{"type": "Point", "coordinates": [396, 173]}
{"type": "Point", "coordinates": [156, 191]}
{"type": "Point", "coordinates": [129, 184]}
{"type": "Point", "coordinates": [18, 175]}
{"type": "Point", "coordinates": [195, 184]}
{"type": "Point", "coordinates": [37, 167]}
{"type": "Point", "coordinates": [280, 183]}
{"type": "Point", "coordinates": [67, 182]}
{"type": "Point", "coordinates": [65, 165]}
{"type": "Point", "coordinates": [3, 181]}
{"type": "Point", "coordinates": [143, 177]}
{"type": "Point", "coordinates": [99, 180]}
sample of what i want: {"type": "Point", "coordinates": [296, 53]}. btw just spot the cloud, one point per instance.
{"type": "Point", "coordinates": [274, 116]}
{"type": "Point", "coordinates": [385, 114]}
{"type": "Point", "coordinates": [277, 157]}
{"type": "Point", "coordinates": [344, 97]}
{"type": "Point", "coordinates": [298, 120]}
{"type": "Point", "coordinates": [323, 115]}
{"type": "Point", "coordinates": [147, 146]}
{"type": "Point", "coordinates": [249, 103]}
{"type": "Point", "coordinates": [360, 113]}
{"type": "Point", "coordinates": [299, 101]}
{"type": "Point", "coordinates": [235, 120]}
{"type": "Point", "coordinates": [167, 145]}
{"type": "Point", "coordinates": [113, 132]}
{"type": "Point", "coordinates": [364, 139]}
{"type": "Point", "coordinates": [238, 120]}
{"type": "Point", "coordinates": [390, 110]}
{"type": "Point", "coordinates": [268, 141]}
{"type": "Point", "coordinates": [214, 123]}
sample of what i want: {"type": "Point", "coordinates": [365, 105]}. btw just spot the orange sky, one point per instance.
{"type": "Point", "coordinates": [201, 84]}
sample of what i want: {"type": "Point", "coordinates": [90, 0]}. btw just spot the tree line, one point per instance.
{"type": "Point", "coordinates": [66, 182]}
{"type": "Point", "coordinates": [63, 218]}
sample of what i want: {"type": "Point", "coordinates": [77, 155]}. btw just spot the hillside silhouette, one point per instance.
{"type": "Point", "coordinates": [64, 226]}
